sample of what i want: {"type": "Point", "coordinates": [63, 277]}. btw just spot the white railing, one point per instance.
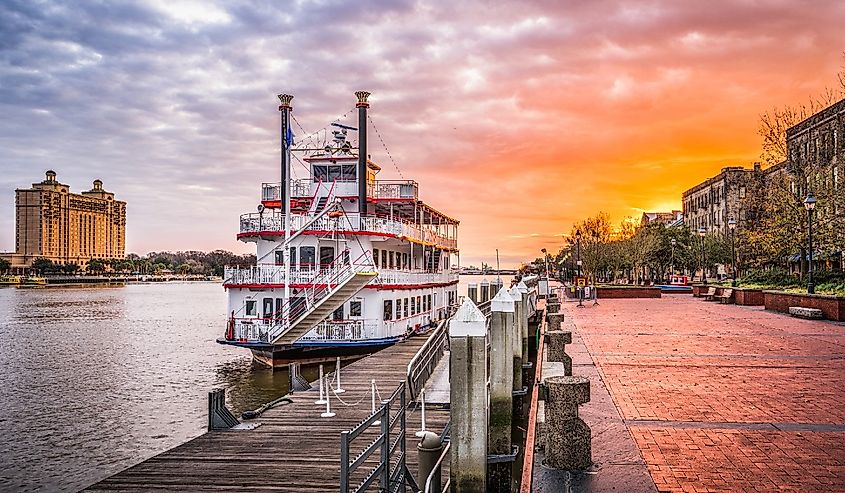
{"type": "Point", "coordinates": [349, 221]}
{"type": "Point", "coordinates": [275, 274]}
{"type": "Point", "coordinates": [346, 330]}
{"type": "Point", "coordinates": [382, 189]}
{"type": "Point", "coordinates": [386, 276]}
{"type": "Point", "coordinates": [267, 274]}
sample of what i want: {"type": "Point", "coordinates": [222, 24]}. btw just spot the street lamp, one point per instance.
{"type": "Point", "coordinates": [578, 249]}
{"type": "Point", "coordinates": [674, 242]}
{"type": "Point", "coordinates": [546, 260]}
{"type": "Point", "coordinates": [810, 204]}
{"type": "Point", "coordinates": [732, 227]}
{"type": "Point", "coordinates": [702, 232]}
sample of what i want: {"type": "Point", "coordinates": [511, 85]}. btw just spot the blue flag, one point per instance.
{"type": "Point", "coordinates": [289, 137]}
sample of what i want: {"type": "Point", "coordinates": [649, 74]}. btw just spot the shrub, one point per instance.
{"type": "Point", "coordinates": [773, 277]}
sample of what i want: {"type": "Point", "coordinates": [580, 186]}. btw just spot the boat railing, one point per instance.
{"type": "Point", "coordinates": [343, 330]}
{"type": "Point", "coordinates": [268, 274]}
{"type": "Point", "coordinates": [381, 189]}
{"type": "Point", "coordinates": [254, 222]}
{"type": "Point", "coordinates": [390, 276]}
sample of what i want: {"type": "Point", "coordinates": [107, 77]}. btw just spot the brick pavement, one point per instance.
{"type": "Point", "coordinates": [721, 397]}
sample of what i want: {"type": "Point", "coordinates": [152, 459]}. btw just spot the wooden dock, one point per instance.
{"type": "Point", "coordinates": [293, 448]}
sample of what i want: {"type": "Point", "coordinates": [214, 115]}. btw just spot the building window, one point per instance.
{"type": "Point", "coordinates": [388, 310]}
{"type": "Point", "coordinates": [742, 192]}
{"type": "Point", "coordinates": [354, 308]}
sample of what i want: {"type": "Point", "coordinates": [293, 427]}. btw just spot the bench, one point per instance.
{"type": "Point", "coordinates": [726, 295]}
{"type": "Point", "coordinates": [708, 296]}
{"type": "Point", "coordinates": [810, 313]}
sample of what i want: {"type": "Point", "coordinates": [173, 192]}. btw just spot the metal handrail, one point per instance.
{"type": "Point", "coordinates": [426, 359]}
{"type": "Point", "coordinates": [436, 468]}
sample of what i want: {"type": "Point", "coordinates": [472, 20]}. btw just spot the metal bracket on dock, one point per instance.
{"type": "Point", "coordinates": [496, 459]}
{"type": "Point", "coordinates": [219, 416]}
{"type": "Point", "coordinates": [519, 393]}
{"type": "Point", "coordinates": [542, 391]}
{"type": "Point", "coordinates": [527, 366]}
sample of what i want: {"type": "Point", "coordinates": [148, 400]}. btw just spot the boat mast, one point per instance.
{"type": "Point", "coordinates": [285, 108]}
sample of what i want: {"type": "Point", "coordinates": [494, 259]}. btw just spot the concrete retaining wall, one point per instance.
{"type": "Point", "coordinates": [833, 307]}
{"type": "Point", "coordinates": [628, 292]}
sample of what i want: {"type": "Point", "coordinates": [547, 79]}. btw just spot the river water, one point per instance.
{"type": "Point", "coordinates": [94, 379]}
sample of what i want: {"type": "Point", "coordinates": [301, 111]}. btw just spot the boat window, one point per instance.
{"type": "Point", "coordinates": [375, 257]}
{"type": "Point", "coordinates": [250, 308]}
{"type": "Point", "coordinates": [338, 314]}
{"type": "Point", "coordinates": [404, 260]}
{"type": "Point", "coordinates": [306, 256]}
{"type": "Point", "coordinates": [413, 306]}
{"type": "Point", "coordinates": [346, 257]}
{"type": "Point", "coordinates": [405, 308]}
{"type": "Point", "coordinates": [347, 172]}
{"type": "Point", "coordinates": [354, 308]}
{"type": "Point", "coordinates": [326, 256]}
{"type": "Point", "coordinates": [419, 304]}
{"type": "Point", "coordinates": [292, 255]}
{"type": "Point", "coordinates": [280, 257]}
{"type": "Point", "coordinates": [391, 258]}
{"type": "Point", "coordinates": [388, 309]}
{"type": "Point", "coordinates": [384, 259]}
{"type": "Point", "coordinates": [399, 308]}
{"type": "Point", "coordinates": [297, 306]}
{"type": "Point", "coordinates": [321, 171]}
{"type": "Point", "coordinates": [267, 305]}
{"type": "Point", "coordinates": [279, 304]}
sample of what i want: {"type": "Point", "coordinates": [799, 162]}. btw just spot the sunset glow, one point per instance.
{"type": "Point", "coordinates": [517, 119]}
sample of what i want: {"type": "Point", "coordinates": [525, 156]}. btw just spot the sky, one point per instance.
{"type": "Point", "coordinates": [517, 118]}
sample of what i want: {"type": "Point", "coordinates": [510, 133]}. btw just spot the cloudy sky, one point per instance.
{"type": "Point", "coordinates": [517, 118]}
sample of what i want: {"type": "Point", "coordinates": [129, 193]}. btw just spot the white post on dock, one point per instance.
{"type": "Point", "coordinates": [328, 413]}
{"type": "Point", "coordinates": [421, 433]}
{"type": "Point", "coordinates": [322, 398]}
{"type": "Point", "coordinates": [373, 391]}
{"type": "Point", "coordinates": [339, 389]}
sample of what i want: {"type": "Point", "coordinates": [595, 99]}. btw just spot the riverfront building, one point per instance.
{"type": "Point", "coordinates": [65, 227]}
{"type": "Point", "coordinates": [712, 203]}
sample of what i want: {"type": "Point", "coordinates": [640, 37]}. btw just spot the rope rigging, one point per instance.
{"type": "Point", "coordinates": [396, 166]}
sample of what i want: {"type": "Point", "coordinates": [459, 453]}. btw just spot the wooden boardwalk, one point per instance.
{"type": "Point", "coordinates": [293, 448]}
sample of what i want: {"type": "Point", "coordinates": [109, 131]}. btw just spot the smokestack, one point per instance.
{"type": "Point", "coordinates": [285, 109]}
{"type": "Point", "coordinates": [362, 150]}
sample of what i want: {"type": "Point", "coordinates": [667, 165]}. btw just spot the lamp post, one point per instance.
{"type": "Point", "coordinates": [702, 232]}
{"type": "Point", "coordinates": [578, 251]}
{"type": "Point", "coordinates": [674, 242]}
{"type": "Point", "coordinates": [732, 227]}
{"type": "Point", "coordinates": [810, 205]}
{"type": "Point", "coordinates": [546, 260]}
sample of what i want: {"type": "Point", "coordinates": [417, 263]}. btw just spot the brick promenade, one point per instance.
{"type": "Point", "coordinates": [722, 397]}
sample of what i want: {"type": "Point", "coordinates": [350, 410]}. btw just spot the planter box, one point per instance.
{"type": "Point", "coordinates": [833, 307]}
{"type": "Point", "coordinates": [699, 289]}
{"type": "Point", "coordinates": [749, 297]}
{"type": "Point", "coordinates": [627, 292]}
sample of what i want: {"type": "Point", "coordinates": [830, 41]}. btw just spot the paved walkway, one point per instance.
{"type": "Point", "coordinates": [722, 397]}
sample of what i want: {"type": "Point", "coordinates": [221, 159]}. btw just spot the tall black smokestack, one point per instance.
{"type": "Point", "coordinates": [284, 187]}
{"type": "Point", "coordinates": [362, 150]}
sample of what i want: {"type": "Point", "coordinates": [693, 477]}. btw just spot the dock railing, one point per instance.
{"type": "Point", "coordinates": [391, 471]}
{"type": "Point", "coordinates": [423, 363]}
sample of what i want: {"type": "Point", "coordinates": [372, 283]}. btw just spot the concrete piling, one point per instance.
{"type": "Point", "coordinates": [552, 306]}
{"type": "Point", "coordinates": [468, 388]}
{"type": "Point", "coordinates": [567, 435]}
{"type": "Point", "coordinates": [523, 320]}
{"type": "Point", "coordinates": [501, 376]}
{"type": "Point", "coordinates": [517, 337]}
{"type": "Point", "coordinates": [557, 340]}
{"type": "Point", "coordinates": [555, 320]}
{"type": "Point", "coordinates": [484, 291]}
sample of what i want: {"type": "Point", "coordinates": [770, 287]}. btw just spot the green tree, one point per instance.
{"type": "Point", "coordinates": [4, 265]}
{"type": "Point", "coordinates": [42, 264]}
{"type": "Point", "coordinates": [183, 268]}
{"type": "Point", "coordinates": [70, 268]}
{"type": "Point", "coordinates": [96, 266]}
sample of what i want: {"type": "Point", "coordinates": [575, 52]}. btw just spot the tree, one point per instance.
{"type": "Point", "coordinates": [4, 265]}
{"type": "Point", "coordinates": [42, 264]}
{"type": "Point", "coordinates": [70, 268]}
{"type": "Point", "coordinates": [183, 268]}
{"type": "Point", "coordinates": [96, 266]}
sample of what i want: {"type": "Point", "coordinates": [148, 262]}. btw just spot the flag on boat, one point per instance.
{"type": "Point", "coordinates": [289, 136]}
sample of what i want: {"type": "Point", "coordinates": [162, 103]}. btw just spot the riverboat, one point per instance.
{"type": "Point", "coordinates": [10, 280]}
{"type": "Point", "coordinates": [346, 263]}
{"type": "Point", "coordinates": [35, 281]}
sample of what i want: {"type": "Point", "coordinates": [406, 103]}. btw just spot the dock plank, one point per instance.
{"type": "Point", "coordinates": [293, 448]}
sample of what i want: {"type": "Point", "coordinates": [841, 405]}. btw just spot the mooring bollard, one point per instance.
{"type": "Point", "coordinates": [328, 413]}
{"type": "Point", "coordinates": [557, 341]}
{"type": "Point", "coordinates": [555, 320]}
{"type": "Point", "coordinates": [567, 436]}
{"type": "Point", "coordinates": [373, 393]}
{"type": "Point", "coordinates": [428, 453]}
{"type": "Point", "coordinates": [468, 388]}
{"type": "Point", "coordinates": [552, 306]}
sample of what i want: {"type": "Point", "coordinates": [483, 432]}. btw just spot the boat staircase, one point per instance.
{"type": "Point", "coordinates": [318, 204]}
{"type": "Point", "coordinates": [327, 293]}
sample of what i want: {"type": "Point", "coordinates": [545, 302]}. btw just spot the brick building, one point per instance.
{"type": "Point", "coordinates": [712, 203]}
{"type": "Point", "coordinates": [65, 227]}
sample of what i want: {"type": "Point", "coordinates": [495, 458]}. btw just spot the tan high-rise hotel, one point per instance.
{"type": "Point", "coordinates": [68, 227]}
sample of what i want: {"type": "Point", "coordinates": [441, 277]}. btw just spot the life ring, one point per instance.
{"type": "Point", "coordinates": [335, 214]}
